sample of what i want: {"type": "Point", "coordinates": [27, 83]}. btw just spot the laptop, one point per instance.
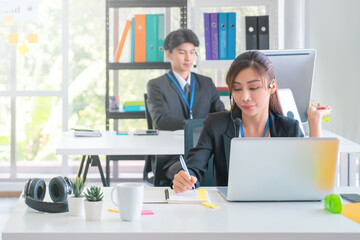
{"type": "Point", "coordinates": [281, 169]}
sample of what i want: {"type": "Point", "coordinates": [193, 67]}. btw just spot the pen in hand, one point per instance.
{"type": "Point", "coordinates": [183, 165]}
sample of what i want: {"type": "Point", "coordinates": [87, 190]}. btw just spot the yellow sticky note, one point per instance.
{"type": "Point", "coordinates": [13, 38]}
{"type": "Point", "coordinates": [23, 49]}
{"type": "Point", "coordinates": [32, 38]}
{"type": "Point", "coordinates": [9, 20]}
{"type": "Point", "coordinates": [352, 211]}
{"type": "Point", "coordinates": [202, 194]}
{"type": "Point", "coordinates": [210, 205]}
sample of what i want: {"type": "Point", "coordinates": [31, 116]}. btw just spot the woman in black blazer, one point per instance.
{"type": "Point", "coordinates": [256, 112]}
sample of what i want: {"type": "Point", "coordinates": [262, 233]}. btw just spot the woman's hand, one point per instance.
{"type": "Point", "coordinates": [182, 182]}
{"type": "Point", "coordinates": [315, 114]}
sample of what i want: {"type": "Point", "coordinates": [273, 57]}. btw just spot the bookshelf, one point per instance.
{"type": "Point", "coordinates": [199, 7]}
{"type": "Point", "coordinates": [118, 66]}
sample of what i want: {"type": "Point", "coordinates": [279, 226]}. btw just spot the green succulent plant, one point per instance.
{"type": "Point", "coordinates": [77, 186]}
{"type": "Point", "coordinates": [94, 194]}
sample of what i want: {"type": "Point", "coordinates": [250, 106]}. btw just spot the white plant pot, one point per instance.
{"type": "Point", "coordinates": [93, 210]}
{"type": "Point", "coordinates": [76, 205]}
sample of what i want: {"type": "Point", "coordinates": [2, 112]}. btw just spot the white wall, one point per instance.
{"type": "Point", "coordinates": [332, 28]}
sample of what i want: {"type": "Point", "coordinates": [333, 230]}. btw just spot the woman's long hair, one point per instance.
{"type": "Point", "coordinates": [259, 62]}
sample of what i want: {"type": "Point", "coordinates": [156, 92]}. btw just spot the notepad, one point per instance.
{"type": "Point", "coordinates": [190, 196]}
{"type": "Point", "coordinates": [87, 133]}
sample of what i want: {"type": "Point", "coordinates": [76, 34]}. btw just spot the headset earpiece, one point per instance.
{"type": "Point", "coordinates": [271, 85]}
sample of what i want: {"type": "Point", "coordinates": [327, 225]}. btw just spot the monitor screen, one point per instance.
{"type": "Point", "coordinates": [294, 69]}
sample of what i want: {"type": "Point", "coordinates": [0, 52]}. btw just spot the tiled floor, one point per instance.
{"type": "Point", "coordinates": [6, 207]}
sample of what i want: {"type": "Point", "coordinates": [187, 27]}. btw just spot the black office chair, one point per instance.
{"type": "Point", "coordinates": [153, 163]}
{"type": "Point", "coordinates": [192, 130]}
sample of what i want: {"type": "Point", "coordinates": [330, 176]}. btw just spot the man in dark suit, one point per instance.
{"type": "Point", "coordinates": [180, 94]}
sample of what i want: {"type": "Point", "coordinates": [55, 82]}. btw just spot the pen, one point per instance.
{"type": "Point", "coordinates": [183, 165]}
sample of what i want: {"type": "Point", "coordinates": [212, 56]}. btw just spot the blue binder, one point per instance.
{"type": "Point", "coordinates": [231, 37]}
{"type": "Point", "coordinates": [132, 39]}
{"type": "Point", "coordinates": [151, 37]}
{"type": "Point", "coordinates": [222, 26]}
{"type": "Point", "coordinates": [160, 38]}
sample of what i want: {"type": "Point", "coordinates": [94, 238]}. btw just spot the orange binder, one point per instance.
{"type": "Point", "coordinates": [140, 38]}
{"type": "Point", "coordinates": [122, 41]}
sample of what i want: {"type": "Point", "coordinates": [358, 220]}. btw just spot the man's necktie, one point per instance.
{"type": "Point", "coordinates": [187, 90]}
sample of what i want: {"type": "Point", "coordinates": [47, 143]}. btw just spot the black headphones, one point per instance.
{"type": "Point", "coordinates": [59, 189]}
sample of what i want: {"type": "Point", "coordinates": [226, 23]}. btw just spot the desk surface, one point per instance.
{"type": "Point", "coordinates": [277, 220]}
{"type": "Point", "coordinates": [166, 143]}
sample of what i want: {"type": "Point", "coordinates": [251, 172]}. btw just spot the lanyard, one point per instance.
{"type": "Point", "coordinates": [266, 128]}
{"type": "Point", "coordinates": [190, 106]}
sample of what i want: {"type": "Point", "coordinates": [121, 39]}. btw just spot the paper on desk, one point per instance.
{"type": "Point", "coordinates": [154, 195]}
{"type": "Point", "coordinates": [352, 211]}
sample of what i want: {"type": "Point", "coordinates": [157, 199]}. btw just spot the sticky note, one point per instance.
{"type": "Point", "coordinates": [352, 211]}
{"type": "Point", "coordinates": [23, 49]}
{"type": "Point", "coordinates": [210, 205]}
{"type": "Point", "coordinates": [9, 20]}
{"type": "Point", "coordinates": [143, 212]}
{"type": "Point", "coordinates": [32, 38]}
{"type": "Point", "coordinates": [13, 38]}
{"type": "Point", "coordinates": [202, 194]}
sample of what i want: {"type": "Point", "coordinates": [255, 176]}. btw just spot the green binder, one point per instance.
{"type": "Point", "coordinates": [160, 38]}
{"type": "Point", "coordinates": [151, 37]}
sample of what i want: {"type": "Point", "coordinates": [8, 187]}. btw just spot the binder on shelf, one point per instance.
{"type": "Point", "coordinates": [231, 31]}
{"type": "Point", "coordinates": [132, 39]}
{"type": "Point", "coordinates": [140, 38]}
{"type": "Point", "coordinates": [122, 41]}
{"type": "Point", "coordinates": [222, 26]}
{"type": "Point", "coordinates": [251, 33]}
{"type": "Point", "coordinates": [263, 32]}
{"type": "Point", "coordinates": [151, 37]}
{"type": "Point", "coordinates": [214, 36]}
{"type": "Point", "coordinates": [160, 37]}
{"type": "Point", "coordinates": [134, 108]}
{"type": "Point", "coordinates": [223, 91]}
{"type": "Point", "coordinates": [207, 36]}
{"type": "Point", "coordinates": [134, 103]}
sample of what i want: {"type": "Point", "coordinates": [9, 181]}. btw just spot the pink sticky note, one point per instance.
{"type": "Point", "coordinates": [147, 212]}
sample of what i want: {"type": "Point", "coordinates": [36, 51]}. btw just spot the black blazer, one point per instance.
{"type": "Point", "coordinates": [168, 108]}
{"type": "Point", "coordinates": [215, 140]}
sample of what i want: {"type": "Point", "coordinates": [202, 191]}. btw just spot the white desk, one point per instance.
{"type": "Point", "coordinates": [172, 143]}
{"type": "Point", "coordinates": [166, 143]}
{"type": "Point", "coordinates": [287, 220]}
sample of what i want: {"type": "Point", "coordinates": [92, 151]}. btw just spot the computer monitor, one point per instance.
{"type": "Point", "coordinates": [294, 69]}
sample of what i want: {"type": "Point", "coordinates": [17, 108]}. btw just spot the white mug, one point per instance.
{"type": "Point", "coordinates": [129, 200]}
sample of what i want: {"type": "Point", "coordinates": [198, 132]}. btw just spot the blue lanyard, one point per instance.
{"type": "Point", "coordinates": [266, 128]}
{"type": "Point", "coordinates": [190, 106]}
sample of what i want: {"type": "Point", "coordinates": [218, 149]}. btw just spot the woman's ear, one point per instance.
{"type": "Point", "coordinates": [273, 86]}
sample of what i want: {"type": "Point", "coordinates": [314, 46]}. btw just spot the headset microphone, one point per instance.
{"type": "Point", "coordinates": [237, 128]}
{"type": "Point", "coordinates": [236, 122]}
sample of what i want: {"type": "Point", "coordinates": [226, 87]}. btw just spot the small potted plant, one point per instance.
{"type": "Point", "coordinates": [76, 201]}
{"type": "Point", "coordinates": [93, 203]}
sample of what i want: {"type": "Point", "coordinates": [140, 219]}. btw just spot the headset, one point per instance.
{"type": "Point", "coordinates": [59, 189]}
{"type": "Point", "coordinates": [237, 121]}
{"type": "Point", "coordinates": [197, 60]}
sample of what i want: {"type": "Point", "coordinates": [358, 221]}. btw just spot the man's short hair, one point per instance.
{"type": "Point", "coordinates": [178, 37]}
